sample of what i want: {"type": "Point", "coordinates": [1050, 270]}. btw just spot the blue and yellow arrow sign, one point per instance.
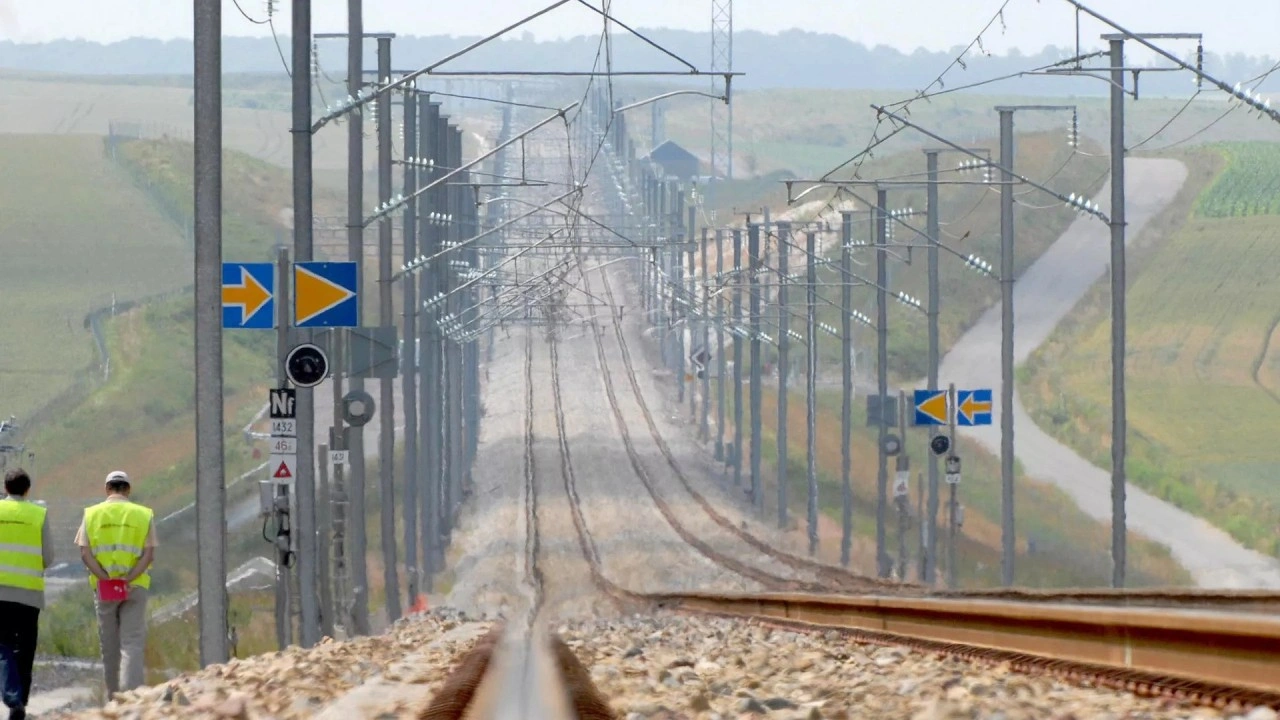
{"type": "Point", "coordinates": [325, 294]}
{"type": "Point", "coordinates": [973, 407]}
{"type": "Point", "coordinates": [931, 407]}
{"type": "Point", "coordinates": [248, 296]}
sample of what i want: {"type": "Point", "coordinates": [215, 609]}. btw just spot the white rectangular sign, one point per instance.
{"type": "Point", "coordinates": [284, 446]}
{"type": "Point", "coordinates": [338, 457]}
{"type": "Point", "coordinates": [286, 427]}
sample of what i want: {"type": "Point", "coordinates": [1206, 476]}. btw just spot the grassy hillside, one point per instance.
{"type": "Point", "coordinates": [30, 105]}
{"type": "Point", "coordinates": [74, 232]}
{"type": "Point", "coordinates": [142, 418]}
{"type": "Point", "coordinates": [1203, 372]}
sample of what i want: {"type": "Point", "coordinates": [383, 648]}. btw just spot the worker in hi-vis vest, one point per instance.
{"type": "Point", "coordinates": [25, 553]}
{"type": "Point", "coordinates": [117, 542]}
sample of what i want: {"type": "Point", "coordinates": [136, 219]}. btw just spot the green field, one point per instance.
{"type": "Point", "coordinates": [1203, 368]}
{"type": "Point", "coordinates": [255, 120]}
{"type": "Point", "coordinates": [74, 234]}
{"type": "Point", "coordinates": [1250, 184]}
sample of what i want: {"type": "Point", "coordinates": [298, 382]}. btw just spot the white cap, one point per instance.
{"type": "Point", "coordinates": [117, 475]}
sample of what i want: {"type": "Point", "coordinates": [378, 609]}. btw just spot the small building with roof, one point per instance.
{"type": "Point", "coordinates": [675, 161]}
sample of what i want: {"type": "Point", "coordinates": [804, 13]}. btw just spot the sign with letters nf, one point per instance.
{"type": "Point", "coordinates": [283, 403]}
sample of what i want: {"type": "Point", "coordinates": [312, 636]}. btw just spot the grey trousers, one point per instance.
{"type": "Point", "coordinates": [122, 632]}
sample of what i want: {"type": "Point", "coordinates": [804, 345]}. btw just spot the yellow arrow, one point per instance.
{"type": "Point", "coordinates": [314, 295]}
{"type": "Point", "coordinates": [970, 406]}
{"type": "Point", "coordinates": [250, 295]}
{"type": "Point", "coordinates": [935, 407]}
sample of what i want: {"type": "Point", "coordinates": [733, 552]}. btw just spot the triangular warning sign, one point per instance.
{"type": "Point", "coordinates": [282, 472]}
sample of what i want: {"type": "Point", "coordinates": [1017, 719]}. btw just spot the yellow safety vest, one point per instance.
{"type": "Point", "coordinates": [21, 547]}
{"type": "Point", "coordinates": [117, 533]}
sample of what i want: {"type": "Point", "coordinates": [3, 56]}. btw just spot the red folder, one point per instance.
{"type": "Point", "coordinates": [112, 590]}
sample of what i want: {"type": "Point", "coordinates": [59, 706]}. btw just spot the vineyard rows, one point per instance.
{"type": "Point", "coordinates": [1249, 185]}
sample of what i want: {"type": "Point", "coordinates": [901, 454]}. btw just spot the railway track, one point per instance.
{"type": "Point", "coordinates": [766, 579]}
{"type": "Point", "coordinates": [520, 670]}
{"type": "Point", "coordinates": [1157, 652]}
{"type": "Point", "coordinates": [829, 577]}
{"type": "Point", "coordinates": [1228, 661]}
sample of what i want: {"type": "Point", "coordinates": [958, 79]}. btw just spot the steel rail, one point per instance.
{"type": "Point", "coordinates": [1217, 658]}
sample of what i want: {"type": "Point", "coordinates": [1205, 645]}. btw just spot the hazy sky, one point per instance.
{"type": "Point", "coordinates": [1250, 26]}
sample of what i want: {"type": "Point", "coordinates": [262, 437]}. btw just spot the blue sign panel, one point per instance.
{"type": "Point", "coordinates": [931, 407]}
{"type": "Point", "coordinates": [326, 294]}
{"type": "Point", "coordinates": [248, 296]}
{"type": "Point", "coordinates": [973, 407]}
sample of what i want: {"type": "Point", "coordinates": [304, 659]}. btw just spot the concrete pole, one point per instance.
{"type": "Point", "coordinates": [433, 376]}
{"type": "Point", "coordinates": [339, 500]}
{"type": "Point", "coordinates": [878, 227]}
{"type": "Point", "coordinates": [211, 490]}
{"type": "Point", "coordinates": [322, 542]}
{"type": "Point", "coordinates": [451, 416]}
{"type": "Point", "coordinates": [704, 427]}
{"type": "Point", "coordinates": [678, 310]}
{"type": "Point", "coordinates": [386, 318]}
{"type": "Point", "coordinates": [737, 359]}
{"type": "Point", "coordinates": [753, 270]}
{"type": "Point", "coordinates": [953, 502]}
{"type": "Point", "coordinates": [281, 514]}
{"type": "Point", "coordinates": [441, 270]}
{"type": "Point", "coordinates": [929, 544]}
{"type": "Point", "coordinates": [471, 349]}
{"type": "Point", "coordinates": [1119, 424]}
{"type": "Point", "coordinates": [646, 213]}
{"type": "Point", "coordinates": [690, 287]}
{"type": "Point", "coordinates": [454, 369]}
{"type": "Point", "coordinates": [692, 324]}
{"type": "Point", "coordinates": [1007, 532]}
{"type": "Point", "coordinates": [720, 360]}
{"type": "Point", "coordinates": [661, 321]}
{"type": "Point", "coordinates": [305, 524]}
{"type": "Point", "coordinates": [429, 380]}
{"type": "Point", "coordinates": [811, 384]}
{"type": "Point", "coordinates": [784, 369]}
{"type": "Point", "coordinates": [903, 467]}
{"type": "Point", "coordinates": [409, 361]}
{"type": "Point", "coordinates": [846, 386]}
{"type": "Point", "coordinates": [359, 600]}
